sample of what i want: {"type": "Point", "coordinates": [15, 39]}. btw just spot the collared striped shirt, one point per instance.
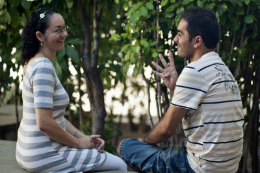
{"type": "Point", "coordinates": [214, 121]}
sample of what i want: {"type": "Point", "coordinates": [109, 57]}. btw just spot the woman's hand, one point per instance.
{"type": "Point", "coordinates": [98, 142]}
{"type": "Point", "coordinates": [85, 142]}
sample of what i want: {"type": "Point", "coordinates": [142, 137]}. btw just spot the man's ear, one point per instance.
{"type": "Point", "coordinates": [39, 36]}
{"type": "Point", "coordinates": [198, 41]}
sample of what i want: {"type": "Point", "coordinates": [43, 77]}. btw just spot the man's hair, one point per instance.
{"type": "Point", "coordinates": [204, 23]}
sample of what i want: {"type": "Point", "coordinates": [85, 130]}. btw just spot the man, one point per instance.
{"type": "Point", "coordinates": [205, 97]}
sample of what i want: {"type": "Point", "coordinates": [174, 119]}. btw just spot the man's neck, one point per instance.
{"type": "Point", "coordinates": [198, 54]}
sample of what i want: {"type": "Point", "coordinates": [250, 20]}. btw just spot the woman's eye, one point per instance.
{"type": "Point", "coordinates": [58, 31]}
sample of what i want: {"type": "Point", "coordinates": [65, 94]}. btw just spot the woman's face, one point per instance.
{"type": "Point", "coordinates": [55, 34]}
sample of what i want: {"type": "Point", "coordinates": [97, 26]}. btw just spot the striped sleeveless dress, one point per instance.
{"type": "Point", "coordinates": [35, 151]}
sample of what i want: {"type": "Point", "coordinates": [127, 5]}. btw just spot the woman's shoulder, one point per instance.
{"type": "Point", "coordinates": [40, 65]}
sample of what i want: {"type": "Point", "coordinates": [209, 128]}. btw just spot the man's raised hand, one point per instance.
{"type": "Point", "coordinates": [168, 74]}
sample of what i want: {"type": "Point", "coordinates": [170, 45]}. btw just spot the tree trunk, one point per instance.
{"type": "Point", "coordinates": [89, 64]}
{"type": "Point", "coordinates": [255, 125]}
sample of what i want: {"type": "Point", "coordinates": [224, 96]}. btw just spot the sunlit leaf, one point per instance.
{"type": "Point", "coordinates": [144, 43]}
{"type": "Point", "coordinates": [149, 5]}
{"type": "Point", "coordinates": [1, 4]}
{"type": "Point", "coordinates": [164, 2]}
{"type": "Point", "coordinates": [247, 1]}
{"type": "Point", "coordinates": [144, 11]}
{"type": "Point", "coordinates": [135, 16]}
{"type": "Point", "coordinates": [200, 4]}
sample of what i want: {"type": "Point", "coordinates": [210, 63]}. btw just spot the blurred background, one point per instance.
{"type": "Point", "coordinates": [106, 64]}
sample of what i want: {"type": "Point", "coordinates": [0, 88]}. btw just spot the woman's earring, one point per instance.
{"type": "Point", "coordinates": [41, 43]}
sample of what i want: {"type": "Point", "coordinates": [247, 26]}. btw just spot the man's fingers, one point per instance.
{"type": "Point", "coordinates": [157, 74]}
{"type": "Point", "coordinates": [157, 66]}
{"type": "Point", "coordinates": [172, 64]}
{"type": "Point", "coordinates": [163, 61]}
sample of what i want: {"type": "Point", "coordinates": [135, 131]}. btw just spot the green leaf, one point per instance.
{"type": "Point", "coordinates": [117, 1]}
{"type": "Point", "coordinates": [75, 41]}
{"type": "Point", "coordinates": [14, 3]}
{"type": "Point", "coordinates": [15, 17]}
{"type": "Point", "coordinates": [200, 4]}
{"type": "Point", "coordinates": [149, 5]}
{"type": "Point", "coordinates": [169, 15]}
{"type": "Point", "coordinates": [144, 43]}
{"type": "Point", "coordinates": [134, 8]}
{"type": "Point", "coordinates": [235, 24]}
{"type": "Point", "coordinates": [135, 17]}
{"type": "Point", "coordinates": [136, 48]}
{"type": "Point", "coordinates": [224, 7]}
{"type": "Point", "coordinates": [144, 11]}
{"type": "Point", "coordinates": [210, 6]}
{"type": "Point", "coordinates": [61, 54]}
{"type": "Point", "coordinates": [125, 47]}
{"type": "Point", "coordinates": [185, 2]}
{"type": "Point", "coordinates": [155, 54]}
{"type": "Point", "coordinates": [249, 19]}
{"type": "Point", "coordinates": [240, 11]}
{"type": "Point", "coordinates": [128, 56]}
{"type": "Point", "coordinates": [26, 4]}
{"type": "Point", "coordinates": [247, 1]}
{"type": "Point", "coordinates": [58, 69]}
{"type": "Point", "coordinates": [137, 69]}
{"type": "Point", "coordinates": [114, 38]}
{"type": "Point", "coordinates": [119, 132]}
{"type": "Point", "coordinates": [1, 3]}
{"type": "Point", "coordinates": [124, 35]}
{"type": "Point", "coordinates": [5, 17]}
{"type": "Point", "coordinates": [63, 64]}
{"type": "Point", "coordinates": [164, 2]}
{"type": "Point", "coordinates": [23, 20]}
{"type": "Point", "coordinates": [72, 53]}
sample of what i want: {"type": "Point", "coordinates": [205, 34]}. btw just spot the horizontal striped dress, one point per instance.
{"type": "Point", "coordinates": [35, 151]}
{"type": "Point", "coordinates": [214, 121]}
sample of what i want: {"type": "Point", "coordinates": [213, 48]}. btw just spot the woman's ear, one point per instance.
{"type": "Point", "coordinates": [39, 36]}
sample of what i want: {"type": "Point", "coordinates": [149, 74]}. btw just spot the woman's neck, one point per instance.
{"type": "Point", "coordinates": [47, 54]}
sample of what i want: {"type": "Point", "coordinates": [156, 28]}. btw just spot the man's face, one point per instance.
{"type": "Point", "coordinates": [185, 47]}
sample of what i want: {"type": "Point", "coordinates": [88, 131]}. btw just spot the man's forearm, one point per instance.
{"type": "Point", "coordinates": [158, 134]}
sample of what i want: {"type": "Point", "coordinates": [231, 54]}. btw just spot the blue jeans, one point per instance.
{"type": "Point", "coordinates": [153, 159]}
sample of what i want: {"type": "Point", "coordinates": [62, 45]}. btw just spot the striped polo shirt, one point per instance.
{"type": "Point", "coordinates": [214, 121]}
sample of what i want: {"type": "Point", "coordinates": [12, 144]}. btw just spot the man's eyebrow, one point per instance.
{"type": "Point", "coordinates": [179, 31]}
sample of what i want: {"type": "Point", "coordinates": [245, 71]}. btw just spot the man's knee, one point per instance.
{"type": "Point", "coordinates": [118, 149]}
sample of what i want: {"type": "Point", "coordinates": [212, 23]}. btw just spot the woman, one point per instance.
{"type": "Point", "coordinates": [47, 142]}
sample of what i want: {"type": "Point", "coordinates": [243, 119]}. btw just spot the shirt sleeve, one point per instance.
{"type": "Point", "coordinates": [43, 82]}
{"type": "Point", "coordinates": [190, 89]}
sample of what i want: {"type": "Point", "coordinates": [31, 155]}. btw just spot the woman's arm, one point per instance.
{"type": "Point", "coordinates": [49, 127]}
{"type": "Point", "coordinates": [98, 142]}
{"type": "Point", "coordinates": [73, 130]}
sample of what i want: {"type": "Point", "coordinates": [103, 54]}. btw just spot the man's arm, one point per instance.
{"type": "Point", "coordinates": [166, 127]}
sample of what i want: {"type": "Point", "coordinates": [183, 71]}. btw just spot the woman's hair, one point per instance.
{"type": "Point", "coordinates": [38, 20]}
